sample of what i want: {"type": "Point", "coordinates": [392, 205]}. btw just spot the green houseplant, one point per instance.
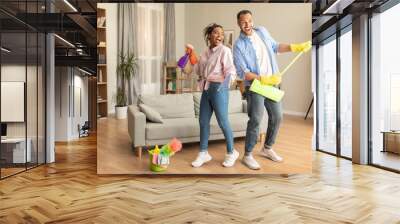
{"type": "Point", "coordinates": [126, 70]}
{"type": "Point", "coordinates": [120, 98]}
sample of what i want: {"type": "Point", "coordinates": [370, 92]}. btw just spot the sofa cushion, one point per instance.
{"type": "Point", "coordinates": [235, 102]}
{"type": "Point", "coordinates": [151, 113]}
{"type": "Point", "coordinates": [237, 121]}
{"type": "Point", "coordinates": [174, 127]}
{"type": "Point", "coordinates": [189, 127]}
{"type": "Point", "coordinates": [171, 105]}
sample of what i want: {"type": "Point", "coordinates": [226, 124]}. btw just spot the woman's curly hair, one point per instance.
{"type": "Point", "coordinates": [208, 30]}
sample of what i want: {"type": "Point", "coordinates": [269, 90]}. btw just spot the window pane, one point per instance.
{"type": "Point", "coordinates": [346, 94]}
{"type": "Point", "coordinates": [386, 89]}
{"type": "Point", "coordinates": [31, 97]}
{"type": "Point", "coordinates": [327, 97]}
{"type": "Point", "coordinates": [41, 99]}
{"type": "Point", "coordinates": [14, 146]}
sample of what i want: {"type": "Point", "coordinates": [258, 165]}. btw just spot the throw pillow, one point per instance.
{"type": "Point", "coordinates": [151, 114]}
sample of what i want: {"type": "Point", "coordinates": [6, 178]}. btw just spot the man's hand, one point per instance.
{"type": "Point", "coordinates": [271, 80]}
{"type": "Point", "coordinates": [302, 47]}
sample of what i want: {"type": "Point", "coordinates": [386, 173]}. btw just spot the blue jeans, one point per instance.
{"type": "Point", "coordinates": [215, 99]}
{"type": "Point", "coordinates": [255, 111]}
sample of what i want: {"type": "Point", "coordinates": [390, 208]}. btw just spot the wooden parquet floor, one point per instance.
{"type": "Point", "coordinates": [70, 191]}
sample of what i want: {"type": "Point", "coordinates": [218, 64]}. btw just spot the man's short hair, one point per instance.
{"type": "Point", "coordinates": [243, 12]}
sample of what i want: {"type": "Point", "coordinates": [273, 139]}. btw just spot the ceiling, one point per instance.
{"type": "Point", "coordinates": [75, 21]}
{"type": "Point", "coordinates": [72, 20]}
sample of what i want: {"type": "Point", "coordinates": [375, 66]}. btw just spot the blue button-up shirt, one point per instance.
{"type": "Point", "coordinates": [244, 54]}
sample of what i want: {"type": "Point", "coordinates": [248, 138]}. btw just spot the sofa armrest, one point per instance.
{"type": "Point", "coordinates": [244, 102]}
{"type": "Point", "coordinates": [136, 126]}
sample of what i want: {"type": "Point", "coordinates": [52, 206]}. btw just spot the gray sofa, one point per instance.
{"type": "Point", "coordinates": [179, 113]}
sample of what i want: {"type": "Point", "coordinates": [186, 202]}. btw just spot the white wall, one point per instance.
{"type": "Point", "coordinates": [112, 51]}
{"type": "Point", "coordinates": [287, 23]}
{"type": "Point", "coordinates": [67, 111]}
{"type": "Point", "coordinates": [180, 26]}
{"type": "Point", "coordinates": [62, 81]}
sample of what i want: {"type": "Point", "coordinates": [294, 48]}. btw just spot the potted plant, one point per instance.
{"type": "Point", "coordinates": [121, 105]}
{"type": "Point", "coordinates": [126, 69]}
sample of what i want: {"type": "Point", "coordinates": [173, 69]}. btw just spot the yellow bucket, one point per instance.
{"type": "Point", "coordinates": [154, 167]}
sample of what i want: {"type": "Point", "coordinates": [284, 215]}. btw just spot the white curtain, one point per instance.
{"type": "Point", "coordinates": [169, 21]}
{"type": "Point", "coordinates": [150, 28]}
{"type": "Point", "coordinates": [127, 44]}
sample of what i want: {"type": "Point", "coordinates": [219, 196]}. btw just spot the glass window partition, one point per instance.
{"type": "Point", "coordinates": [327, 96]}
{"type": "Point", "coordinates": [22, 77]}
{"type": "Point", "coordinates": [346, 93]}
{"type": "Point", "coordinates": [385, 90]}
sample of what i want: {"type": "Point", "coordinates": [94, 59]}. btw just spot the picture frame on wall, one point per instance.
{"type": "Point", "coordinates": [228, 37]}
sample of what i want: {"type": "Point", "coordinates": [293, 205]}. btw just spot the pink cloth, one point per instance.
{"type": "Point", "coordinates": [214, 65]}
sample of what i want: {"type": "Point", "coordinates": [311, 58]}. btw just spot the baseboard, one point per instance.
{"type": "Point", "coordinates": [297, 113]}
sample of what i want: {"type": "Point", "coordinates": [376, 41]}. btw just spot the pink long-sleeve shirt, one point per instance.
{"type": "Point", "coordinates": [214, 65]}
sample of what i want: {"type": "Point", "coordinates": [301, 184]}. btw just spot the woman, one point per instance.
{"type": "Point", "coordinates": [216, 70]}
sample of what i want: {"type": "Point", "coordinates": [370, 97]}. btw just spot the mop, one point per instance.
{"type": "Point", "coordinates": [272, 92]}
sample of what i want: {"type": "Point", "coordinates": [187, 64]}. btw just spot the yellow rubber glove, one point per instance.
{"type": "Point", "coordinates": [271, 80]}
{"type": "Point", "coordinates": [302, 47]}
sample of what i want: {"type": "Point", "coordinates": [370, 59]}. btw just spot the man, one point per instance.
{"type": "Point", "coordinates": [254, 58]}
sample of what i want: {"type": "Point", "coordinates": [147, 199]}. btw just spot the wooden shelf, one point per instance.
{"type": "Point", "coordinates": [102, 105]}
{"type": "Point", "coordinates": [173, 75]}
{"type": "Point", "coordinates": [178, 79]}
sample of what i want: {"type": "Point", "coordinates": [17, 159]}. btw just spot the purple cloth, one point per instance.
{"type": "Point", "coordinates": [183, 60]}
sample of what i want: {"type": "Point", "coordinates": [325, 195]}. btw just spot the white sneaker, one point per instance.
{"type": "Point", "coordinates": [250, 162]}
{"type": "Point", "coordinates": [230, 159]}
{"type": "Point", "coordinates": [202, 158]}
{"type": "Point", "coordinates": [271, 154]}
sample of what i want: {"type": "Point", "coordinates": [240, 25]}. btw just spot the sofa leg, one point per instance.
{"type": "Point", "coordinates": [138, 152]}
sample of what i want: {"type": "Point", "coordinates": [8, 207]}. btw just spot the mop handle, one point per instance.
{"type": "Point", "coordinates": [291, 63]}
